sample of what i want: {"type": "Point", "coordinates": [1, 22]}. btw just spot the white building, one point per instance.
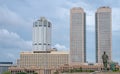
{"type": "Point", "coordinates": [42, 35]}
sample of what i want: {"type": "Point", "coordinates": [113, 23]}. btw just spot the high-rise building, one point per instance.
{"type": "Point", "coordinates": [103, 33]}
{"type": "Point", "coordinates": [42, 35]}
{"type": "Point", "coordinates": [77, 36]}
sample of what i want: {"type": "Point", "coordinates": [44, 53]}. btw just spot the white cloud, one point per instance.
{"type": "Point", "coordinates": [60, 47]}
{"type": "Point", "coordinates": [11, 56]}
{"type": "Point", "coordinates": [12, 40]}
{"type": "Point", "coordinates": [11, 44]}
{"type": "Point", "coordinates": [62, 13]}
{"type": "Point", "coordinates": [9, 18]}
{"type": "Point", "coordinates": [77, 4]}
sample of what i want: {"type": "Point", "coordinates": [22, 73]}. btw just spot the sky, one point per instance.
{"type": "Point", "coordinates": [17, 17]}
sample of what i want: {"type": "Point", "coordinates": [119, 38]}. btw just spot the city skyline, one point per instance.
{"type": "Point", "coordinates": [17, 27]}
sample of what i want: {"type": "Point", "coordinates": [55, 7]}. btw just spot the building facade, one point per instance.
{"type": "Point", "coordinates": [77, 36]}
{"type": "Point", "coordinates": [31, 70]}
{"type": "Point", "coordinates": [43, 59]}
{"type": "Point", "coordinates": [42, 35]}
{"type": "Point", "coordinates": [64, 69]}
{"type": "Point", "coordinates": [103, 33]}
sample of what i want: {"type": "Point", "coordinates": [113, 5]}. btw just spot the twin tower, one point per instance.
{"type": "Point", "coordinates": [103, 28]}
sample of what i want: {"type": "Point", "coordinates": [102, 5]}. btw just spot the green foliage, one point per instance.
{"type": "Point", "coordinates": [21, 73]}
{"type": "Point", "coordinates": [116, 70]}
{"type": "Point", "coordinates": [25, 73]}
{"type": "Point", "coordinates": [35, 73]}
{"type": "Point", "coordinates": [7, 72]}
{"type": "Point", "coordinates": [56, 72]}
{"type": "Point", "coordinates": [74, 70]}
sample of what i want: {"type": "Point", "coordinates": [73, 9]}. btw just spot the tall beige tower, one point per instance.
{"type": "Point", "coordinates": [103, 33]}
{"type": "Point", "coordinates": [77, 36]}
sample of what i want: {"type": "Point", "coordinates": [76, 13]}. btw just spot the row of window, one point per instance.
{"type": "Point", "coordinates": [41, 44]}
{"type": "Point", "coordinates": [41, 25]}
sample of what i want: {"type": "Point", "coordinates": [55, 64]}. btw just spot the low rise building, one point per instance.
{"type": "Point", "coordinates": [4, 66]}
{"type": "Point", "coordinates": [66, 68]}
{"type": "Point", "coordinates": [40, 62]}
{"type": "Point", "coordinates": [43, 59]}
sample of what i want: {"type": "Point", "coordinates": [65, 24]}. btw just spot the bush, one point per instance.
{"type": "Point", "coordinates": [21, 73]}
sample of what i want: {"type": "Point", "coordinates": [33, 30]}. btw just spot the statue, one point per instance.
{"type": "Point", "coordinates": [105, 60]}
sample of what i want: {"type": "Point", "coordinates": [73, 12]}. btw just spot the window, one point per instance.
{"type": "Point", "coordinates": [40, 25]}
{"type": "Point", "coordinates": [35, 44]}
{"type": "Point", "coordinates": [44, 43]}
{"type": "Point", "coordinates": [35, 25]}
{"type": "Point", "coordinates": [44, 25]}
{"type": "Point", "coordinates": [40, 44]}
{"type": "Point", "coordinates": [49, 24]}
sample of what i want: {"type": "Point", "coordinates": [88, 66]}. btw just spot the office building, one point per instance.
{"type": "Point", "coordinates": [103, 33]}
{"type": "Point", "coordinates": [42, 35]}
{"type": "Point", "coordinates": [43, 59]}
{"type": "Point", "coordinates": [77, 36]}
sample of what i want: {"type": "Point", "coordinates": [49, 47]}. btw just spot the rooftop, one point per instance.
{"type": "Point", "coordinates": [43, 52]}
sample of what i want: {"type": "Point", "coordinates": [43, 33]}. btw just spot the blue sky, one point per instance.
{"type": "Point", "coordinates": [17, 17]}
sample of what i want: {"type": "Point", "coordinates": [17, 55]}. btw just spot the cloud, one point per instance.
{"type": "Point", "coordinates": [14, 22]}
{"type": "Point", "coordinates": [62, 13]}
{"type": "Point", "coordinates": [60, 47]}
{"type": "Point", "coordinates": [11, 56]}
{"type": "Point", "coordinates": [11, 18]}
{"type": "Point", "coordinates": [77, 4]}
{"type": "Point", "coordinates": [13, 40]}
{"type": "Point", "coordinates": [11, 44]}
